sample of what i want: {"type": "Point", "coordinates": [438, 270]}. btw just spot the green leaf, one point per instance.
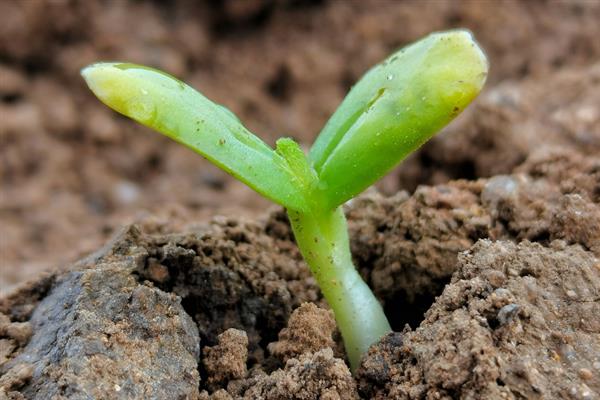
{"type": "Point", "coordinates": [169, 106]}
{"type": "Point", "coordinates": [397, 106]}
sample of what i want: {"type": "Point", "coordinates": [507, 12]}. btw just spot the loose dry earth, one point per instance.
{"type": "Point", "coordinates": [484, 247]}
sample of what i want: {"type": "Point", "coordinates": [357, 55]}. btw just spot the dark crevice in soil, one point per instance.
{"type": "Point", "coordinates": [430, 165]}
{"type": "Point", "coordinates": [402, 309]}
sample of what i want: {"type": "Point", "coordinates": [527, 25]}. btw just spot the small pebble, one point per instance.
{"type": "Point", "coordinates": [126, 193]}
{"type": "Point", "coordinates": [502, 292]}
{"type": "Point", "coordinates": [568, 352]}
{"type": "Point", "coordinates": [507, 313]}
{"type": "Point", "coordinates": [495, 278]}
{"type": "Point", "coordinates": [585, 374]}
{"type": "Point", "coordinates": [498, 189]}
{"type": "Point", "coordinates": [158, 272]}
{"type": "Point", "coordinates": [512, 272]}
{"type": "Point", "coordinates": [586, 393]}
{"type": "Point", "coordinates": [573, 391]}
{"type": "Point", "coordinates": [571, 294]}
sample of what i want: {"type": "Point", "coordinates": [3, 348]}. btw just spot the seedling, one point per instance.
{"type": "Point", "coordinates": [396, 106]}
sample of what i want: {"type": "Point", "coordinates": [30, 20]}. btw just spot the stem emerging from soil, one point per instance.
{"type": "Point", "coordinates": [322, 237]}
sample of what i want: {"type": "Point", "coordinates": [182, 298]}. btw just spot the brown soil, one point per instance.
{"type": "Point", "coordinates": [488, 264]}
{"type": "Point", "coordinates": [515, 315]}
{"type": "Point", "coordinates": [516, 321]}
{"type": "Point", "coordinates": [72, 172]}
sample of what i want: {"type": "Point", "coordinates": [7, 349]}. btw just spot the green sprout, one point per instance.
{"type": "Point", "coordinates": [396, 107]}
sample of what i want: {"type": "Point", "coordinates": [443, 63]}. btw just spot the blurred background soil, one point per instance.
{"type": "Point", "coordinates": [72, 171]}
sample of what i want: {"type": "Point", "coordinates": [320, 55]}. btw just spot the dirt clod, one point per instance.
{"type": "Point", "coordinates": [20, 332]}
{"type": "Point", "coordinates": [220, 394]}
{"type": "Point", "coordinates": [469, 347]}
{"type": "Point", "coordinates": [100, 320]}
{"type": "Point", "coordinates": [309, 330]}
{"type": "Point", "coordinates": [13, 379]}
{"type": "Point", "coordinates": [227, 360]}
{"type": "Point", "coordinates": [311, 376]}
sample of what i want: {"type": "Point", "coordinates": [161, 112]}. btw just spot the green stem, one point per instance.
{"type": "Point", "coordinates": [323, 240]}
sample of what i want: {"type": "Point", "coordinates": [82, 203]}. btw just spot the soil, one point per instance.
{"type": "Point", "coordinates": [73, 172]}
{"type": "Point", "coordinates": [229, 310]}
{"type": "Point", "coordinates": [483, 247]}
